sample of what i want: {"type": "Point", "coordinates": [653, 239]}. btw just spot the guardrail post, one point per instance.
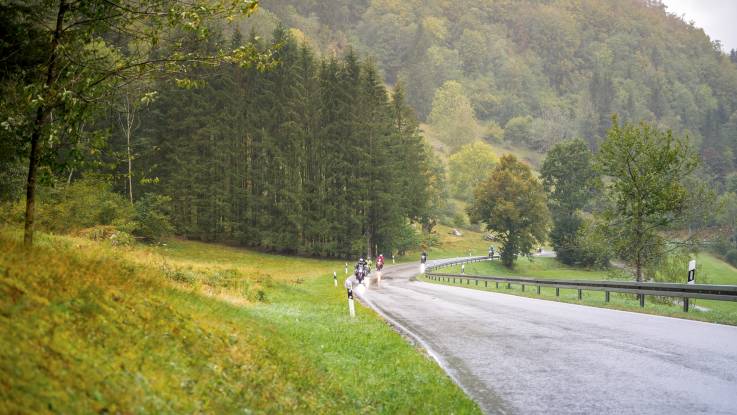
{"type": "Point", "coordinates": [523, 287]}
{"type": "Point", "coordinates": [685, 304]}
{"type": "Point", "coordinates": [538, 290]}
{"type": "Point", "coordinates": [557, 291]}
{"type": "Point", "coordinates": [477, 282]}
{"type": "Point", "coordinates": [606, 296]}
{"type": "Point", "coordinates": [497, 285]}
{"type": "Point", "coordinates": [579, 294]}
{"type": "Point", "coordinates": [509, 285]}
{"type": "Point", "coordinates": [642, 300]}
{"type": "Point", "coordinates": [486, 284]}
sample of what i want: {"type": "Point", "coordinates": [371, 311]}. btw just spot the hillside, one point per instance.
{"type": "Point", "coordinates": [556, 69]}
{"type": "Point", "coordinates": [196, 328]}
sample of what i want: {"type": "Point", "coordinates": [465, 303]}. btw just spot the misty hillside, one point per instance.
{"type": "Point", "coordinates": [550, 69]}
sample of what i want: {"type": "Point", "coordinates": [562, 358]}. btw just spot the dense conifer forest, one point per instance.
{"type": "Point", "coordinates": [313, 156]}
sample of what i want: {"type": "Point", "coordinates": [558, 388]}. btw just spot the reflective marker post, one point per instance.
{"type": "Point", "coordinates": [393, 260]}
{"type": "Point", "coordinates": [351, 306]}
{"type": "Point", "coordinates": [463, 269]}
{"type": "Point", "coordinates": [346, 268]}
{"type": "Point", "coordinates": [335, 278]}
{"type": "Point", "coordinates": [691, 280]}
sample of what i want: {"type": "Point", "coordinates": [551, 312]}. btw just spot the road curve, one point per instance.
{"type": "Point", "coordinates": [517, 355]}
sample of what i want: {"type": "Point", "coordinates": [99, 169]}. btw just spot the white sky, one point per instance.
{"type": "Point", "coordinates": [718, 18]}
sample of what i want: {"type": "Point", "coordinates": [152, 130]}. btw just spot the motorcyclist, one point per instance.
{"type": "Point", "coordinates": [380, 262]}
{"type": "Point", "coordinates": [362, 269]}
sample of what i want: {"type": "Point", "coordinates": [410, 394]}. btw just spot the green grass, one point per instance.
{"type": "Point", "coordinates": [718, 272]}
{"type": "Point", "coordinates": [196, 328]}
{"type": "Point", "coordinates": [536, 267]}
{"type": "Point", "coordinates": [456, 246]}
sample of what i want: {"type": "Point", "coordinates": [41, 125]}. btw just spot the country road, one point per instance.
{"type": "Point", "coordinates": [517, 355]}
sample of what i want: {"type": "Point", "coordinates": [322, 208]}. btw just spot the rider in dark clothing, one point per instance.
{"type": "Point", "coordinates": [362, 269]}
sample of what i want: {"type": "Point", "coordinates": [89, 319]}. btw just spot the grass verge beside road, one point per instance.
{"type": "Point", "coordinates": [717, 272]}
{"type": "Point", "coordinates": [197, 328]}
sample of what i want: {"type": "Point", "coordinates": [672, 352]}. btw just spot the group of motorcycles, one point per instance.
{"type": "Point", "coordinates": [363, 268]}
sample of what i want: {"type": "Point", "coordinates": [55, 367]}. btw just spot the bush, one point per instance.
{"type": "Point", "coordinates": [85, 203]}
{"type": "Point", "coordinates": [588, 249]}
{"type": "Point", "coordinates": [108, 233]}
{"type": "Point", "coordinates": [152, 217]}
{"type": "Point", "coordinates": [731, 257]}
{"type": "Point", "coordinates": [406, 239]}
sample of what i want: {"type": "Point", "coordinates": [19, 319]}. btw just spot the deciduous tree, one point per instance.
{"type": "Point", "coordinates": [511, 202]}
{"type": "Point", "coordinates": [646, 168]}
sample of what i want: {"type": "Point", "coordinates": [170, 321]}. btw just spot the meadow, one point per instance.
{"type": "Point", "coordinates": [189, 327]}
{"type": "Point", "coordinates": [711, 271]}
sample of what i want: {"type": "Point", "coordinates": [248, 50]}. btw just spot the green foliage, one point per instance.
{"type": "Point", "coordinates": [567, 64]}
{"type": "Point", "coordinates": [570, 181]}
{"type": "Point", "coordinates": [588, 247]}
{"type": "Point", "coordinates": [107, 233]}
{"type": "Point", "coordinates": [82, 204]}
{"type": "Point", "coordinates": [731, 257]}
{"type": "Point", "coordinates": [673, 268]}
{"type": "Point", "coordinates": [727, 215]}
{"type": "Point", "coordinates": [152, 217]}
{"type": "Point", "coordinates": [511, 202]}
{"type": "Point", "coordinates": [518, 130]}
{"type": "Point", "coordinates": [468, 167]}
{"type": "Point", "coordinates": [311, 157]}
{"type": "Point", "coordinates": [452, 117]}
{"type": "Point", "coordinates": [646, 169]}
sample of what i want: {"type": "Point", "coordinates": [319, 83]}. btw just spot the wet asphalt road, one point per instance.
{"type": "Point", "coordinates": [517, 355]}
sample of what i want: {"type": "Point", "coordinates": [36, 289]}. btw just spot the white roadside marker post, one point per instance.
{"type": "Point", "coordinates": [351, 306]}
{"type": "Point", "coordinates": [691, 281]}
{"type": "Point", "coordinates": [346, 268]}
{"type": "Point", "coordinates": [463, 269]}
{"type": "Point", "coordinates": [393, 259]}
{"type": "Point", "coordinates": [335, 278]}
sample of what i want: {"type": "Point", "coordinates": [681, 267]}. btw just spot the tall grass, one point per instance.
{"type": "Point", "coordinates": [183, 329]}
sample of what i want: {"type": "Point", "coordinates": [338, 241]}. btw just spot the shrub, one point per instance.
{"type": "Point", "coordinates": [588, 249]}
{"type": "Point", "coordinates": [86, 203]}
{"type": "Point", "coordinates": [152, 217]}
{"type": "Point", "coordinates": [731, 257]}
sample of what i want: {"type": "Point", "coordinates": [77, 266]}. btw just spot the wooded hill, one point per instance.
{"type": "Point", "coordinates": [537, 72]}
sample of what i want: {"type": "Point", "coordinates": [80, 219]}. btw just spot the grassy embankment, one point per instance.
{"type": "Point", "coordinates": [196, 328]}
{"type": "Point", "coordinates": [713, 271]}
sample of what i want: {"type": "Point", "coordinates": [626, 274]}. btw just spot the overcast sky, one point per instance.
{"type": "Point", "coordinates": [718, 18]}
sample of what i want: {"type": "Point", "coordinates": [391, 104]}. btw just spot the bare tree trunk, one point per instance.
{"type": "Point", "coordinates": [130, 170]}
{"type": "Point", "coordinates": [41, 119]}
{"type": "Point", "coordinates": [127, 125]}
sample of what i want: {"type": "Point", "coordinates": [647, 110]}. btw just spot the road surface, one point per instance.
{"type": "Point", "coordinates": [517, 355]}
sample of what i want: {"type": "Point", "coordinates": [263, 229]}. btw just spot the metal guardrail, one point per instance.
{"type": "Point", "coordinates": [685, 291]}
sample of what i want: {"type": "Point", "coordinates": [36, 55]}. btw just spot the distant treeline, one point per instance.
{"type": "Point", "coordinates": [312, 156]}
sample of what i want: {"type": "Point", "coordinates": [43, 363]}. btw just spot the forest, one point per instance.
{"type": "Point", "coordinates": [343, 127]}
{"type": "Point", "coordinates": [297, 154]}
{"type": "Point", "coordinates": [312, 156]}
